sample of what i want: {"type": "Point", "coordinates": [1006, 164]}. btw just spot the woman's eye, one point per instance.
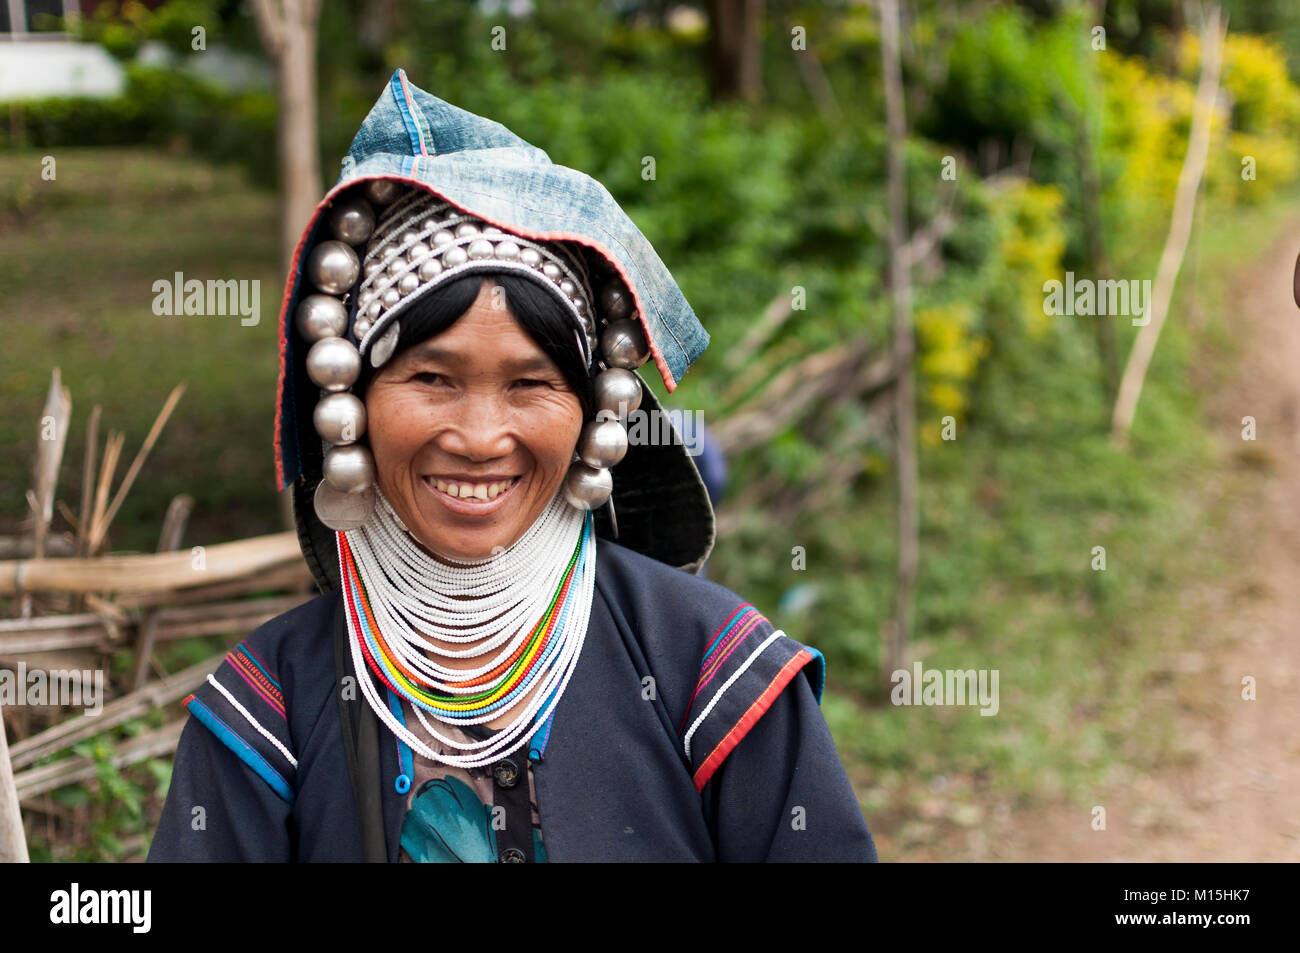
{"type": "Point", "coordinates": [428, 377]}
{"type": "Point", "coordinates": [528, 382]}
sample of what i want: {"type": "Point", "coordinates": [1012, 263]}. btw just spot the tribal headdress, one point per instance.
{"type": "Point", "coordinates": [429, 193]}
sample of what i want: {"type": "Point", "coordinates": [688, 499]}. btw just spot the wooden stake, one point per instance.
{"type": "Point", "coordinates": [1180, 228]}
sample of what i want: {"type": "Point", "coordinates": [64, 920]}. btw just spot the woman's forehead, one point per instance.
{"type": "Point", "coordinates": [482, 338]}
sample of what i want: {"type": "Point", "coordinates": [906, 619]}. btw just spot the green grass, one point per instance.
{"type": "Point", "coordinates": [78, 259]}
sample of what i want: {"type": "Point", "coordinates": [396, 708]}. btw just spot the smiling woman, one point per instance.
{"type": "Point", "coordinates": [473, 431]}
{"type": "Point", "coordinates": [481, 679]}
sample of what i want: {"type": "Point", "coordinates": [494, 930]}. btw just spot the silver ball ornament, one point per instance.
{"type": "Point", "coordinates": [340, 419]}
{"type": "Point", "coordinates": [333, 364]}
{"type": "Point", "coordinates": [349, 469]}
{"type": "Point", "coordinates": [383, 191]}
{"type": "Point", "coordinates": [321, 316]}
{"type": "Point", "coordinates": [333, 267]}
{"type": "Point", "coordinates": [624, 345]}
{"type": "Point", "coordinates": [603, 443]}
{"type": "Point", "coordinates": [615, 303]}
{"type": "Point", "coordinates": [587, 487]}
{"type": "Point", "coordinates": [618, 391]}
{"type": "Point", "coordinates": [352, 220]}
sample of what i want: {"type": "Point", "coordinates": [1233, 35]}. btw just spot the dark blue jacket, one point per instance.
{"type": "Point", "coordinates": [690, 731]}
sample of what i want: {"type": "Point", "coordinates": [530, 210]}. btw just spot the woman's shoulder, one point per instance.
{"type": "Point", "coordinates": [267, 694]}
{"type": "Point", "coordinates": [719, 662]}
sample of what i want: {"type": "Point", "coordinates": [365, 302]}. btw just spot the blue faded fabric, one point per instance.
{"type": "Point", "coordinates": [484, 168]}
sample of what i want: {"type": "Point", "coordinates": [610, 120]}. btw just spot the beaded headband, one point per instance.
{"type": "Point", "coordinates": [418, 243]}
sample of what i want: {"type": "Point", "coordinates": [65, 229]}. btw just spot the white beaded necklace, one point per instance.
{"type": "Point", "coordinates": [497, 604]}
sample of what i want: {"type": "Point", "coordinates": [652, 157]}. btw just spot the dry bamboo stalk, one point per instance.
{"type": "Point", "coordinates": [112, 450]}
{"type": "Point", "coordinates": [178, 512]}
{"type": "Point", "coordinates": [223, 562]}
{"type": "Point", "coordinates": [1180, 229]}
{"type": "Point", "coordinates": [49, 457]}
{"type": "Point", "coordinates": [35, 781]}
{"type": "Point", "coordinates": [154, 695]}
{"type": "Point", "coordinates": [159, 422]}
{"type": "Point", "coordinates": [760, 332]}
{"type": "Point", "coordinates": [88, 480]}
{"type": "Point", "coordinates": [20, 637]}
{"type": "Point", "coordinates": [13, 842]}
{"type": "Point", "coordinates": [291, 576]}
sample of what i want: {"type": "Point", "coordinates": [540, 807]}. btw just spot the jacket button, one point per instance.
{"type": "Point", "coordinates": [513, 855]}
{"type": "Point", "coordinates": [506, 773]}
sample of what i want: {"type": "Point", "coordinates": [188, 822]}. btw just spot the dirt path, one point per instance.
{"type": "Point", "coordinates": [1239, 798]}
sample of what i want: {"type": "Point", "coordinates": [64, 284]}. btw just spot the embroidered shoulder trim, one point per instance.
{"type": "Point", "coordinates": [746, 666]}
{"type": "Point", "coordinates": [243, 705]}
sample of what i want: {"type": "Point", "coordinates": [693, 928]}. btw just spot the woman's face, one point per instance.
{"type": "Point", "coordinates": [480, 409]}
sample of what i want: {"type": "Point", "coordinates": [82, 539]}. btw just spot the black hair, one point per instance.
{"type": "Point", "coordinates": [537, 311]}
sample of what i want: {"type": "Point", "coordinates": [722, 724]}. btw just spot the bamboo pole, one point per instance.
{"type": "Point", "coordinates": [154, 695]}
{"type": "Point", "coordinates": [19, 637]}
{"type": "Point", "coordinates": [178, 513]}
{"type": "Point", "coordinates": [161, 741]}
{"type": "Point", "coordinates": [223, 562]}
{"type": "Point", "coordinates": [13, 842]}
{"type": "Point", "coordinates": [1180, 229]}
{"type": "Point", "coordinates": [904, 342]}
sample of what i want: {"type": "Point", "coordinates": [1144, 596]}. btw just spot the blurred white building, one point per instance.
{"type": "Point", "coordinates": [39, 62]}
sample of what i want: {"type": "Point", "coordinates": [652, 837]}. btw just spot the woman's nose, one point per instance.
{"type": "Point", "coordinates": [480, 430]}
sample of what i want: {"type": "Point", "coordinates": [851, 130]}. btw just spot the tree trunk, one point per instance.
{"type": "Point", "coordinates": [734, 49]}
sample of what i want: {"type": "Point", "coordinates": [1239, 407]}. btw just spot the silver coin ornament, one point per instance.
{"type": "Point", "coordinates": [333, 364]}
{"type": "Point", "coordinates": [340, 419]}
{"type": "Point", "coordinates": [587, 487]}
{"type": "Point", "coordinates": [349, 469]}
{"type": "Point", "coordinates": [333, 267]}
{"type": "Point", "coordinates": [343, 511]}
{"type": "Point", "coordinates": [618, 391]}
{"type": "Point", "coordinates": [383, 349]}
{"type": "Point", "coordinates": [603, 443]}
{"type": "Point", "coordinates": [624, 345]}
{"type": "Point", "coordinates": [352, 220]}
{"type": "Point", "coordinates": [321, 316]}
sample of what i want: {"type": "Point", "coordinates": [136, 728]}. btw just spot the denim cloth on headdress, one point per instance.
{"type": "Point", "coordinates": [479, 165]}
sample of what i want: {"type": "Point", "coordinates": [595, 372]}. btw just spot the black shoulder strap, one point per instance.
{"type": "Point", "coordinates": [361, 749]}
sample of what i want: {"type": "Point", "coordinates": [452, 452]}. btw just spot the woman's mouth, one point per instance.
{"type": "Point", "coordinates": [472, 498]}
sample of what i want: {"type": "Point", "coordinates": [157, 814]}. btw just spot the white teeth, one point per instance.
{"type": "Point", "coordinates": [480, 491]}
